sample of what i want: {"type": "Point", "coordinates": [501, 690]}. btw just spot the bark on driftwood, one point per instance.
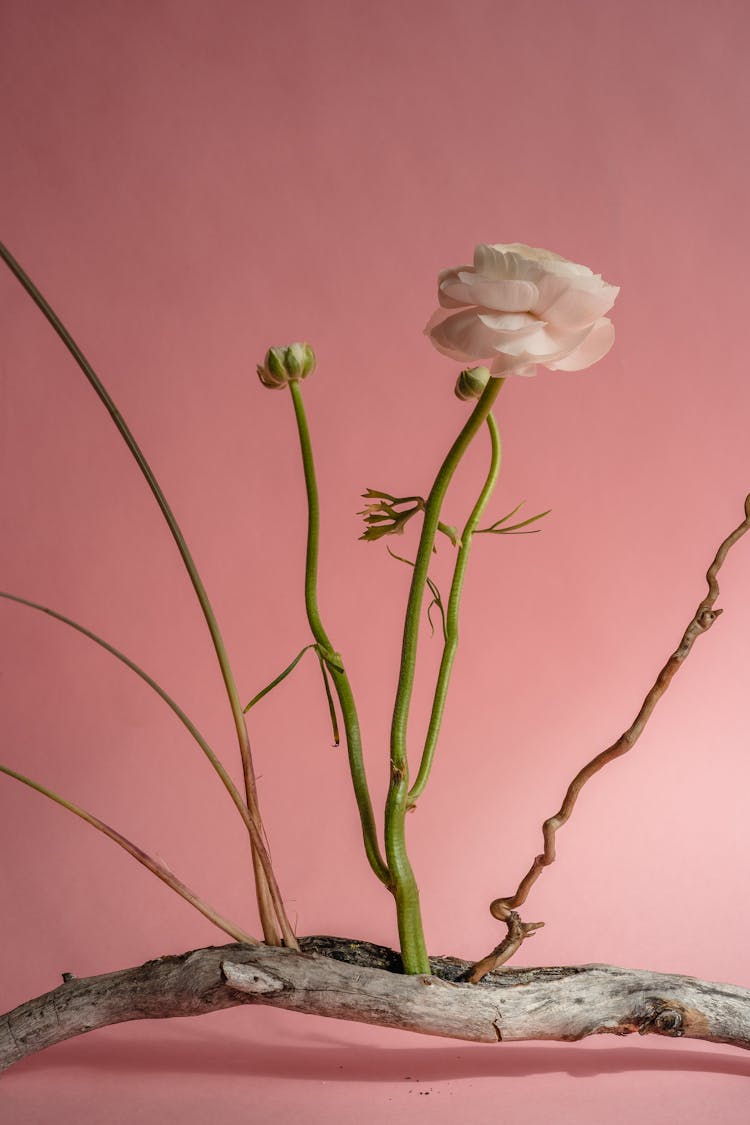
{"type": "Point", "coordinates": [357, 981]}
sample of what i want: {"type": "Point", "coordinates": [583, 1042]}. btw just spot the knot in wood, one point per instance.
{"type": "Point", "coordinates": [668, 1022]}
{"type": "Point", "coordinates": [665, 1019]}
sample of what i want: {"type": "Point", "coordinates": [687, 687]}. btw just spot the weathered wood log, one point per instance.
{"type": "Point", "coordinates": [357, 981]}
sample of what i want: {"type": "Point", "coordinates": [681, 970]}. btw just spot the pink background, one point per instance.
{"type": "Point", "coordinates": [191, 182]}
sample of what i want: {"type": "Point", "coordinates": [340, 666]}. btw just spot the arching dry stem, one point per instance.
{"type": "Point", "coordinates": [704, 617]}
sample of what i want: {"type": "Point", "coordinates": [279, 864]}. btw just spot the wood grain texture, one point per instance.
{"type": "Point", "coordinates": [357, 981]}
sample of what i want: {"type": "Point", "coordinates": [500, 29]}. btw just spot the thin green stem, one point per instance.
{"type": "Point", "coordinates": [153, 865]}
{"type": "Point", "coordinates": [451, 615]}
{"type": "Point", "coordinates": [266, 891]}
{"type": "Point", "coordinates": [413, 949]}
{"type": "Point", "coordinates": [334, 663]}
{"type": "Point", "coordinates": [313, 520]}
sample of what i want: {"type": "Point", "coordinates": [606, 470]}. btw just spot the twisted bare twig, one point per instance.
{"type": "Point", "coordinates": [504, 908]}
{"type": "Point", "coordinates": [517, 933]}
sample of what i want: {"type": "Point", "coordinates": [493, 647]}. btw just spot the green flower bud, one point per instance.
{"type": "Point", "coordinates": [285, 365]}
{"type": "Point", "coordinates": [471, 382]}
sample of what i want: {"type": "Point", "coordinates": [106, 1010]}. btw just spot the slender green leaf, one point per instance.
{"type": "Point", "coordinates": [281, 676]}
{"type": "Point", "coordinates": [505, 519]}
{"type": "Point", "coordinates": [432, 587]}
{"type": "Point", "coordinates": [436, 601]}
{"type": "Point", "coordinates": [399, 558]}
{"type": "Point", "coordinates": [451, 532]}
{"type": "Point", "coordinates": [329, 697]}
{"type": "Point", "coordinates": [495, 528]}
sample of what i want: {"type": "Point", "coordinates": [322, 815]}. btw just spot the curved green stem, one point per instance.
{"type": "Point", "coordinates": [265, 892]}
{"type": "Point", "coordinates": [413, 949]}
{"type": "Point", "coordinates": [153, 865]}
{"type": "Point", "coordinates": [451, 615]}
{"type": "Point", "coordinates": [335, 664]}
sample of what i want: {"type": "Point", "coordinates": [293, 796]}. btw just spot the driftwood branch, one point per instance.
{"type": "Point", "coordinates": [504, 908]}
{"type": "Point", "coordinates": [357, 981]}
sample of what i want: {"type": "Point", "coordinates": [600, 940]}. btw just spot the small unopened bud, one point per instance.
{"type": "Point", "coordinates": [285, 365]}
{"type": "Point", "coordinates": [471, 382]}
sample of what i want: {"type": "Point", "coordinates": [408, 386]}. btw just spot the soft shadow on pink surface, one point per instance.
{"type": "Point", "coordinates": [333, 1062]}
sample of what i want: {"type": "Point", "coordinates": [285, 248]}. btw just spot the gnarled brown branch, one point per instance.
{"type": "Point", "coordinates": [356, 981]}
{"type": "Point", "coordinates": [517, 933]}
{"type": "Point", "coordinates": [703, 619]}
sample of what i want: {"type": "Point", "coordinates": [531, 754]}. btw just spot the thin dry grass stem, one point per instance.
{"type": "Point", "coordinates": [504, 908]}
{"type": "Point", "coordinates": [155, 866]}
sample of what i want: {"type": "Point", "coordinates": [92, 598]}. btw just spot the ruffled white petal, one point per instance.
{"type": "Point", "coordinates": [462, 335]}
{"type": "Point", "coordinates": [540, 344]}
{"type": "Point", "coordinates": [594, 346]}
{"type": "Point", "coordinates": [520, 306]}
{"type": "Point", "coordinates": [563, 268]}
{"type": "Point", "coordinates": [510, 365]}
{"type": "Point", "coordinates": [468, 288]}
{"type": "Point", "coordinates": [573, 305]}
{"type": "Point", "coordinates": [531, 253]}
{"type": "Point", "coordinates": [447, 281]}
{"type": "Point", "coordinates": [492, 263]}
{"type": "Point", "coordinates": [510, 324]}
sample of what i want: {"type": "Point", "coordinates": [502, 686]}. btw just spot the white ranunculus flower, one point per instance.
{"type": "Point", "coordinates": [519, 306]}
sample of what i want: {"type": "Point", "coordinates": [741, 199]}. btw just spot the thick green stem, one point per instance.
{"type": "Point", "coordinates": [334, 662]}
{"type": "Point", "coordinates": [413, 949]}
{"type": "Point", "coordinates": [266, 891]}
{"type": "Point", "coordinates": [451, 615]}
{"type": "Point", "coordinates": [153, 865]}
